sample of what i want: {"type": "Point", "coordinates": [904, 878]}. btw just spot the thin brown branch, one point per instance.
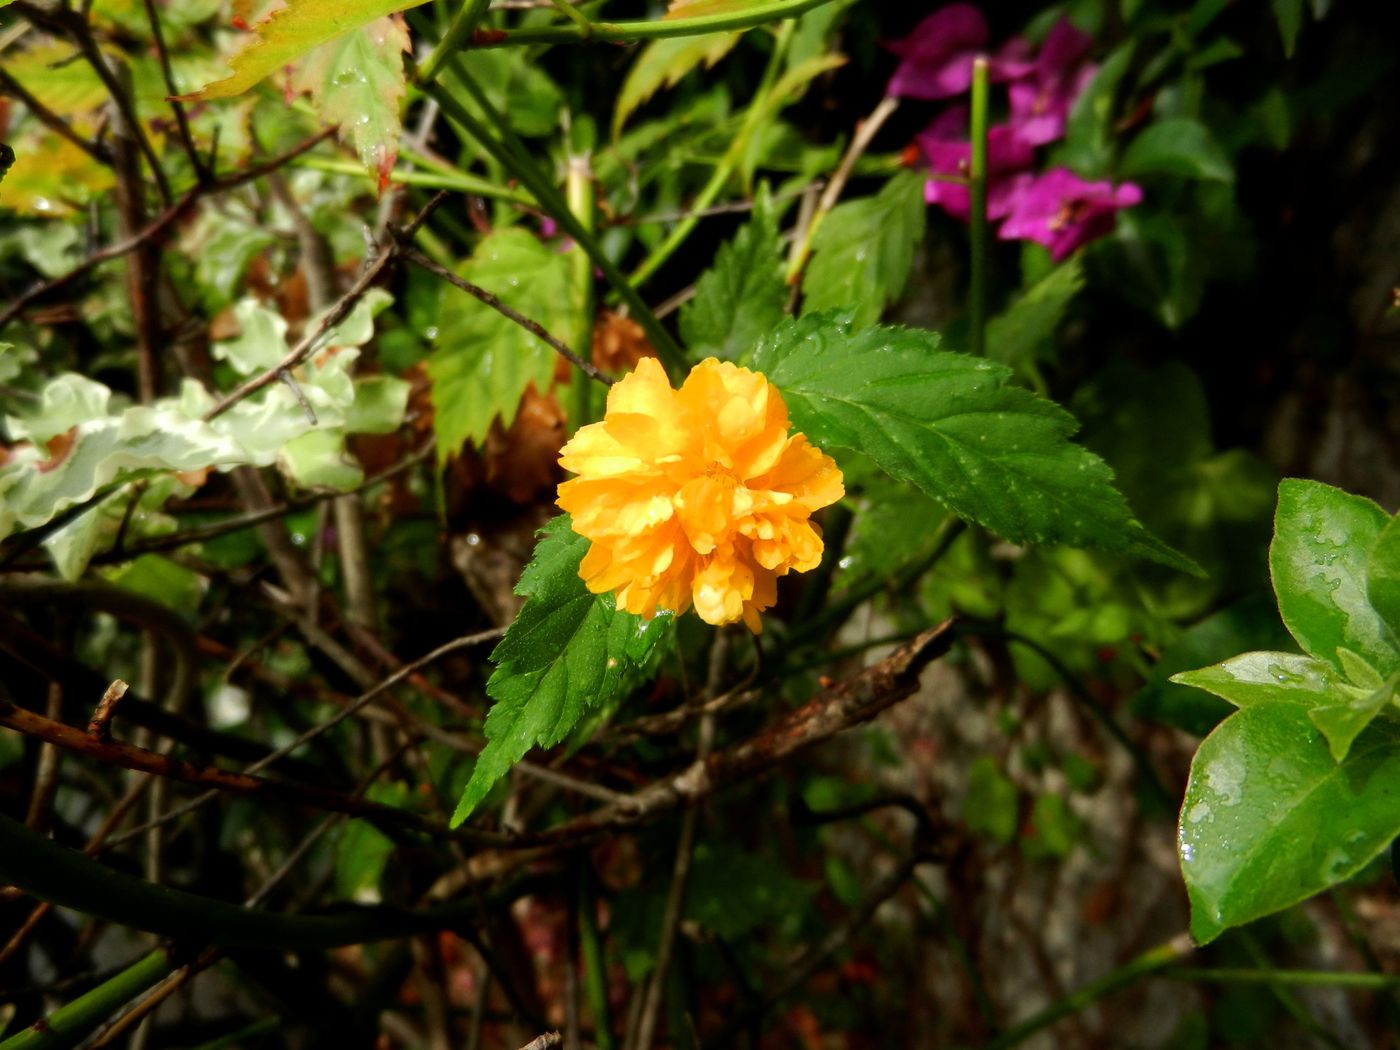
{"type": "Point", "coordinates": [181, 120]}
{"type": "Point", "coordinates": [340, 716]}
{"type": "Point", "coordinates": [533, 327]}
{"type": "Point", "coordinates": [128, 756]}
{"type": "Point", "coordinates": [51, 120]}
{"type": "Point", "coordinates": [99, 727]}
{"type": "Point", "coordinates": [155, 228]}
{"type": "Point", "coordinates": [544, 1042]}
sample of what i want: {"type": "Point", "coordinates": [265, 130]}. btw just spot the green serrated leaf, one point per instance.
{"type": "Point", "coordinates": [950, 423]}
{"type": "Point", "coordinates": [1318, 560]}
{"type": "Point", "coordinates": [291, 32]}
{"type": "Point", "coordinates": [483, 362]}
{"type": "Point", "coordinates": [1177, 146]}
{"type": "Point", "coordinates": [357, 81]}
{"type": "Point", "coordinates": [1015, 337]}
{"type": "Point", "coordinates": [1270, 818]}
{"type": "Point", "coordinates": [662, 64]}
{"type": "Point", "coordinates": [742, 296]}
{"type": "Point", "coordinates": [567, 652]}
{"type": "Point", "coordinates": [514, 84]}
{"type": "Point", "coordinates": [863, 251]}
{"type": "Point", "coordinates": [1383, 575]}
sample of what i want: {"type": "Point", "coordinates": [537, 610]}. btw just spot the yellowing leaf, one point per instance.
{"type": "Point", "coordinates": [357, 81]}
{"type": "Point", "coordinates": [56, 76]}
{"type": "Point", "coordinates": [51, 176]}
{"type": "Point", "coordinates": [701, 8]}
{"type": "Point", "coordinates": [289, 33]}
{"type": "Point", "coordinates": [663, 63]}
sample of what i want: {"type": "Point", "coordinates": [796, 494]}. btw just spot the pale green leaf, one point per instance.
{"type": "Point", "coordinates": [662, 63]}
{"type": "Point", "coordinates": [863, 251]}
{"type": "Point", "coordinates": [483, 361]}
{"type": "Point", "coordinates": [261, 341]}
{"type": "Point", "coordinates": [317, 460]}
{"type": "Point", "coordinates": [567, 652]}
{"type": "Point", "coordinates": [950, 423]}
{"type": "Point", "coordinates": [1383, 575]}
{"type": "Point", "coordinates": [357, 81]}
{"type": "Point", "coordinates": [292, 31]}
{"type": "Point", "coordinates": [1267, 678]}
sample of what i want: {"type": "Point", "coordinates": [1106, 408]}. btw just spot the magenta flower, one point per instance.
{"type": "Point", "coordinates": [1040, 103]}
{"type": "Point", "coordinates": [1062, 211]}
{"type": "Point", "coordinates": [937, 55]}
{"type": "Point", "coordinates": [945, 146]}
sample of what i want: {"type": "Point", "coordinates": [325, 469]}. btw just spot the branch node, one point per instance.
{"type": "Point", "coordinates": [99, 727]}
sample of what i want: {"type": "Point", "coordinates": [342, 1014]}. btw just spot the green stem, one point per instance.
{"type": "Point", "coordinates": [1311, 978]}
{"type": "Point", "coordinates": [579, 187]}
{"type": "Point", "coordinates": [468, 17]}
{"type": "Point", "coordinates": [461, 182]}
{"type": "Point", "coordinates": [510, 153]}
{"type": "Point", "coordinates": [1146, 964]}
{"type": "Point", "coordinates": [575, 16]}
{"type": "Point", "coordinates": [243, 1036]}
{"type": "Point", "coordinates": [595, 975]}
{"type": "Point", "coordinates": [50, 872]}
{"type": "Point", "coordinates": [751, 15]}
{"type": "Point", "coordinates": [69, 1025]}
{"type": "Point", "coordinates": [758, 107]}
{"type": "Point", "coordinates": [977, 195]}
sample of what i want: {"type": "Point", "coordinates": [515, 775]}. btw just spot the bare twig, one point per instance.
{"type": "Point", "coordinates": [96, 150]}
{"type": "Point", "coordinates": [181, 120]}
{"type": "Point", "coordinates": [544, 1042]}
{"type": "Point", "coordinates": [533, 327]}
{"type": "Point", "coordinates": [99, 727]}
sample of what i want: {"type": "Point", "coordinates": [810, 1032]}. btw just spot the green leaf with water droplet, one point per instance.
{"type": "Point", "coordinates": [953, 425]}
{"type": "Point", "coordinates": [1318, 559]}
{"type": "Point", "coordinates": [1266, 678]}
{"type": "Point", "coordinates": [863, 251]}
{"type": "Point", "coordinates": [1270, 818]}
{"type": "Point", "coordinates": [483, 361]}
{"type": "Point", "coordinates": [357, 81]}
{"type": "Point", "coordinates": [289, 33]}
{"type": "Point", "coordinates": [567, 652]}
{"type": "Point", "coordinates": [1383, 575]}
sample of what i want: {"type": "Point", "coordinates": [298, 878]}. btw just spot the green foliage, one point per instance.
{"type": "Point", "coordinates": [483, 361]}
{"type": "Point", "coordinates": [357, 81]}
{"type": "Point", "coordinates": [662, 64]}
{"type": "Point", "coordinates": [1177, 147]}
{"type": "Point", "coordinates": [863, 251]}
{"type": "Point", "coordinates": [1016, 336]}
{"type": "Point", "coordinates": [950, 424]}
{"type": "Point", "coordinates": [567, 652]}
{"type": "Point", "coordinates": [742, 296]}
{"type": "Point", "coordinates": [291, 32]}
{"type": "Point", "coordinates": [990, 802]}
{"type": "Point", "coordinates": [1315, 735]}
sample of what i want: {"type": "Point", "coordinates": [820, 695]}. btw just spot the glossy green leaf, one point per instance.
{"type": "Point", "coordinates": [1267, 678]}
{"type": "Point", "coordinates": [1016, 336]}
{"type": "Point", "coordinates": [357, 82]}
{"type": "Point", "coordinates": [483, 361]}
{"type": "Point", "coordinates": [1318, 560]}
{"type": "Point", "coordinates": [1383, 575]}
{"type": "Point", "coordinates": [662, 63]}
{"type": "Point", "coordinates": [291, 32]}
{"type": "Point", "coordinates": [1348, 712]}
{"type": "Point", "coordinates": [1177, 146]}
{"type": "Point", "coordinates": [568, 651]}
{"type": "Point", "coordinates": [952, 425]}
{"type": "Point", "coordinates": [863, 251]}
{"type": "Point", "coordinates": [1270, 818]}
{"type": "Point", "coordinates": [741, 297]}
